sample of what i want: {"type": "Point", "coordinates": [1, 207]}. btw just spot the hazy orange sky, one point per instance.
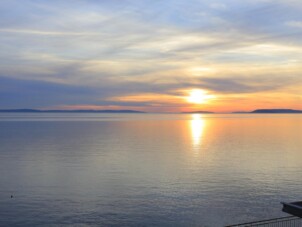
{"type": "Point", "coordinates": [151, 55]}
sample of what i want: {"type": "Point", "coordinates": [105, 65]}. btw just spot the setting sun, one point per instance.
{"type": "Point", "coordinates": [198, 96]}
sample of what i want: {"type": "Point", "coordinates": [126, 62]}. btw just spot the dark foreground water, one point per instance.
{"type": "Point", "coordinates": [147, 170]}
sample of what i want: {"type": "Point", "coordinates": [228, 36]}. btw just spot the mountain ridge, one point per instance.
{"type": "Point", "coordinates": [271, 111]}
{"type": "Point", "coordinates": [66, 111]}
{"type": "Point", "coordinates": [276, 111]}
{"type": "Point", "coordinates": [198, 112]}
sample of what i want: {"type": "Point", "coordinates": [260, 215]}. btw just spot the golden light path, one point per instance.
{"type": "Point", "coordinates": [197, 128]}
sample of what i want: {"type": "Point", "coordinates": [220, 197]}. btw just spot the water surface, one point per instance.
{"type": "Point", "coordinates": [147, 169]}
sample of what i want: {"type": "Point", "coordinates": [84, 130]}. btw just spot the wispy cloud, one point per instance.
{"type": "Point", "coordinates": [115, 52]}
{"type": "Point", "coordinates": [295, 24]}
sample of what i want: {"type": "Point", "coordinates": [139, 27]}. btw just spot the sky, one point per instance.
{"type": "Point", "coordinates": [151, 55]}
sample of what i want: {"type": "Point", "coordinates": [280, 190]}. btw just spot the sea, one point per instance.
{"type": "Point", "coordinates": [95, 169]}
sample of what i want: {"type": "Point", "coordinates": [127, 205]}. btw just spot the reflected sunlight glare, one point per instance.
{"type": "Point", "coordinates": [197, 128]}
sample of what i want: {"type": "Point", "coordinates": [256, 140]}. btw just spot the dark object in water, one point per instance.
{"type": "Point", "coordinates": [11, 196]}
{"type": "Point", "coordinates": [294, 208]}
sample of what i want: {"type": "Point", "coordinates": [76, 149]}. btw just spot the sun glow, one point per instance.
{"type": "Point", "coordinates": [198, 96]}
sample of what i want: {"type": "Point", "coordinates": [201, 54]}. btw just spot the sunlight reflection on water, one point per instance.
{"type": "Point", "coordinates": [197, 128]}
{"type": "Point", "coordinates": [147, 170]}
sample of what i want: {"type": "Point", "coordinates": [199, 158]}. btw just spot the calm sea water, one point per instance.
{"type": "Point", "coordinates": [147, 169]}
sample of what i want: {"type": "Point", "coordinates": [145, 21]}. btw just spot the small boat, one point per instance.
{"type": "Point", "coordinates": [294, 208]}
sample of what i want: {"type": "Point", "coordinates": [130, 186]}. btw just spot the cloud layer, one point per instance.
{"type": "Point", "coordinates": [149, 54]}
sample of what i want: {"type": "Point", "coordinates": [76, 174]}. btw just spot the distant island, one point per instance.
{"type": "Point", "coordinates": [67, 111]}
{"type": "Point", "coordinates": [257, 111]}
{"type": "Point", "coordinates": [272, 111]}
{"type": "Point", "coordinates": [198, 112]}
{"type": "Point", "coordinates": [276, 111]}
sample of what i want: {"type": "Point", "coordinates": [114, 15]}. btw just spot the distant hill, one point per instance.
{"type": "Point", "coordinates": [67, 111]}
{"type": "Point", "coordinates": [20, 111]}
{"type": "Point", "coordinates": [276, 111]}
{"type": "Point", "coordinates": [198, 112]}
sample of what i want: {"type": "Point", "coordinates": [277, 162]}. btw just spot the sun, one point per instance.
{"type": "Point", "coordinates": [198, 96]}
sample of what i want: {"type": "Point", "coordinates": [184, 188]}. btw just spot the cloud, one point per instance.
{"type": "Point", "coordinates": [95, 52]}
{"type": "Point", "coordinates": [218, 6]}
{"type": "Point", "coordinates": [295, 24]}
{"type": "Point", "coordinates": [241, 85]}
